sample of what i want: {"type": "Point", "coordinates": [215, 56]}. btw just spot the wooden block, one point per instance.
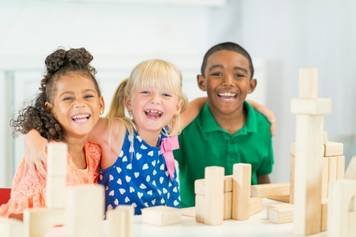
{"type": "Point", "coordinates": [280, 213]}
{"type": "Point", "coordinates": [57, 159]}
{"type": "Point", "coordinates": [308, 83]}
{"type": "Point", "coordinates": [241, 190]}
{"type": "Point", "coordinates": [85, 207]}
{"type": "Point", "coordinates": [324, 216]}
{"type": "Point", "coordinates": [333, 149]}
{"type": "Point", "coordinates": [280, 198]}
{"type": "Point", "coordinates": [188, 211]}
{"type": "Point", "coordinates": [161, 215]}
{"type": "Point", "coordinates": [325, 180]}
{"type": "Point", "coordinates": [340, 171]}
{"type": "Point", "coordinates": [56, 192]}
{"type": "Point", "coordinates": [317, 106]}
{"type": "Point", "coordinates": [199, 185]}
{"type": "Point", "coordinates": [120, 221]}
{"type": "Point", "coordinates": [38, 221]}
{"type": "Point", "coordinates": [11, 228]}
{"type": "Point", "coordinates": [351, 224]}
{"type": "Point", "coordinates": [332, 173]}
{"type": "Point", "coordinates": [227, 205]}
{"type": "Point", "coordinates": [268, 190]}
{"type": "Point", "coordinates": [292, 179]}
{"type": "Point", "coordinates": [199, 208]}
{"type": "Point", "coordinates": [351, 169]}
{"type": "Point", "coordinates": [214, 195]}
{"type": "Point", "coordinates": [292, 149]}
{"type": "Point", "coordinates": [340, 209]}
{"type": "Point", "coordinates": [308, 173]}
{"type": "Point", "coordinates": [254, 206]}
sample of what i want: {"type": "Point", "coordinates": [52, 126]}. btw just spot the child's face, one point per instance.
{"type": "Point", "coordinates": [152, 109]}
{"type": "Point", "coordinates": [227, 80]}
{"type": "Point", "coordinates": [76, 104]}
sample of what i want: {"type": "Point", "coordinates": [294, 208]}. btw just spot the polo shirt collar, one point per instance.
{"type": "Point", "coordinates": [209, 124]}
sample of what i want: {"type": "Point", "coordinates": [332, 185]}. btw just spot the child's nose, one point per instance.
{"type": "Point", "coordinates": [228, 79]}
{"type": "Point", "coordinates": [79, 104]}
{"type": "Point", "coordinates": [156, 98]}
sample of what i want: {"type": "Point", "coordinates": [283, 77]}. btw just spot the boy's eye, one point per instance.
{"type": "Point", "coordinates": [239, 75]}
{"type": "Point", "coordinates": [216, 74]}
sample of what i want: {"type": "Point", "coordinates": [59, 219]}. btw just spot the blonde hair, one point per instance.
{"type": "Point", "coordinates": [154, 73]}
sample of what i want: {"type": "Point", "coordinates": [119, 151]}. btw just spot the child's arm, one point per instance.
{"type": "Point", "coordinates": [264, 179]}
{"type": "Point", "coordinates": [267, 112]}
{"type": "Point", "coordinates": [35, 149]}
{"type": "Point", "coordinates": [192, 111]}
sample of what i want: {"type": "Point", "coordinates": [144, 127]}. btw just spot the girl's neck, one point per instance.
{"type": "Point", "coordinates": [76, 151]}
{"type": "Point", "coordinates": [150, 137]}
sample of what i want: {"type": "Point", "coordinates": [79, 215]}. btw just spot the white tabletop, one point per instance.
{"type": "Point", "coordinates": [256, 225]}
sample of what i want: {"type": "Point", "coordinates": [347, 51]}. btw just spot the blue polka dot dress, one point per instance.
{"type": "Point", "coordinates": [139, 177]}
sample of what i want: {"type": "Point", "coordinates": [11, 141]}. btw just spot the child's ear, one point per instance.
{"type": "Point", "coordinates": [253, 84]}
{"type": "Point", "coordinates": [128, 104]}
{"type": "Point", "coordinates": [102, 104]}
{"type": "Point", "coordinates": [201, 80]}
{"type": "Point", "coordinates": [48, 106]}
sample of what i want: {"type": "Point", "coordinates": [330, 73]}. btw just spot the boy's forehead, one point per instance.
{"type": "Point", "coordinates": [229, 58]}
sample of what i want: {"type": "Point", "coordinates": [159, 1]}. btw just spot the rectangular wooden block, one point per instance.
{"type": "Point", "coordinates": [308, 83]}
{"type": "Point", "coordinates": [280, 213]}
{"type": "Point", "coordinates": [333, 149]}
{"type": "Point", "coordinates": [268, 190]}
{"type": "Point", "coordinates": [316, 106]}
{"type": "Point", "coordinates": [199, 185]}
{"type": "Point", "coordinates": [85, 207]}
{"type": "Point", "coordinates": [56, 192]}
{"type": "Point", "coordinates": [38, 221]}
{"type": "Point", "coordinates": [280, 198]}
{"type": "Point", "coordinates": [307, 192]}
{"type": "Point", "coordinates": [214, 195]}
{"type": "Point", "coordinates": [120, 221]}
{"type": "Point", "coordinates": [161, 215]}
{"type": "Point", "coordinates": [254, 206]}
{"type": "Point", "coordinates": [324, 216]}
{"type": "Point", "coordinates": [292, 179]}
{"type": "Point", "coordinates": [200, 208]}
{"type": "Point", "coordinates": [57, 159]}
{"type": "Point", "coordinates": [188, 211]}
{"type": "Point", "coordinates": [351, 225]}
{"type": "Point", "coordinates": [241, 191]}
{"type": "Point", "coordinates": [11, 228]}
{"type": "Point", "coordinates": [325, 180]}
{"type": "Point", "coordinates": [227, 205]}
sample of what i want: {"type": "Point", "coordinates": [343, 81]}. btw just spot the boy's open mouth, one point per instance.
{"type": "Point", "coordinates": [227, 95]}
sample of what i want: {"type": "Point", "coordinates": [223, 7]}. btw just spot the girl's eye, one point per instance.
{"type": "Point", "coordinates": [144, 92]}
{"type": "Point", "coordinates": [166, 95]}
{"type": "Point", "coordinates": [67, 98]}
{"type": "Point", "coordinates": [88, 96]}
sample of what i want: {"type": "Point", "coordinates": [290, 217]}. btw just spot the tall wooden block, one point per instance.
{"type": "Point", "coordinates": [85, 207]}
{"type": "Point", "coordinates": [200, 208]}
{"type": "Point", "coordinates": [341, 209]}
{"type": "Point", "coordinates": [199, 185]}
{"type": "Point", "coordinates": [332, 170]}
{"type": "Point", "coordinates": [340, 171]}
{"type": "Point", "coordinates": [38, 221]}
{"type": "Point", "coordinates": [308, 83]}
{"type": "Point", "coordinates": [56, 192]}
{"type": "Point", "coordinates": [241, 190]}
{"type": "Point", "coordinates": [324, 216]}
{"type": "Point", "coordinates": [161, 215]}
{"type": "Point", "coordinates": [325, 180]}
{"type": "Point", "coordinates": [308, 173]}
{"type": "Point", "coordinates": [11, 228]}
{"type": "Point", "coordinates": [120, 221]}
{"type": "Point", "coordinates": [317, 106]}
{"type": "Point", "coordinates": [292, 179]}
{"type": "Point", "coordinates": [57, 159]}
{"type": "Point", "coordinates": [214, 195]}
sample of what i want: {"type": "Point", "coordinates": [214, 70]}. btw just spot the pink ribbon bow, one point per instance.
{"type": "Point", "coordinates": [169, 144]}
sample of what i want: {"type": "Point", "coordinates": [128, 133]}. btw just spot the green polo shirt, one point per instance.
{"type": "Point", "coordinates": [204, 143]}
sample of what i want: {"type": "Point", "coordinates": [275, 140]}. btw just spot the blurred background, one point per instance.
{"type": "Point", "coordinates": [282, 36]}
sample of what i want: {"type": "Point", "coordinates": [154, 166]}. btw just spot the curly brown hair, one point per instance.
{"type": "Point", "coordinates": [38, 116]}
